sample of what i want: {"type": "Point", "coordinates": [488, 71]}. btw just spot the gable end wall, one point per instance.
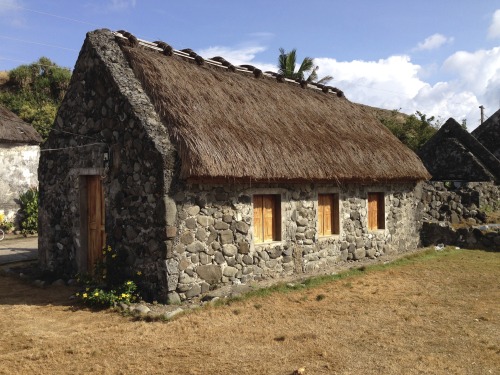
{"type": "Point", "coordinates": [106, 104]}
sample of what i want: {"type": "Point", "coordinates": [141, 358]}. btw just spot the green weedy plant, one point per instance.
{"type": "Point", "coordinates": [108, 286]}
{"type": "Point", "coordinates": [29, 210]}
{"type": "Point", "coordinates": [7, 226]}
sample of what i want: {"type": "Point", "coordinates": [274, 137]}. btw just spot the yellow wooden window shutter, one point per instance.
{"type": "Point", "coordinates": [325, 211]}
{"type": "Point", "coordinates": [257, 218]}
{"type": "Point", "coordinates": [269, 210]}
{"type": "Point", "coordinates": [373, 211]}
{"type": "Point", "coordinates": [321, 209]}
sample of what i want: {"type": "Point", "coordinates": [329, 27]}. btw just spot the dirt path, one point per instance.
{"type": "Point", "coordinates": [435, 316]}
{"type": "Point", "coordinates": [18, 249]}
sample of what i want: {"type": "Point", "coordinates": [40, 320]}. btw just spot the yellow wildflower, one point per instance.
{"type": "Point", "coordinates": [77, 294]}
{"type": "Point", "coordinates": [139, 273]}
{"type": "Point", "coordinates": [129, 282]}
{"type": "Point", "coordinates": [84, 295]}
{"type": "Point", "coordinates": [113, 256]}
{"type": "Point", "coordinates": [96, 294]}
{"type": "Point", "coordinates": [124, 295]}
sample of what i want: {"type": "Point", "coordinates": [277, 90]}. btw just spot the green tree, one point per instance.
{"type": "Point", "coordinates": [412, 130]}
{"type": "Point", "coordinates": [35, 91]}
{"type": "Point", "coordinates": [287, 67]}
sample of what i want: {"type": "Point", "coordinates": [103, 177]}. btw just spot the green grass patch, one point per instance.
{"type": "Point", "coordinates": [316, 281]}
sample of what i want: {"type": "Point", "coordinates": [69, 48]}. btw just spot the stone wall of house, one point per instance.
{"type": "Point", "coordinates": [485, 237]}
{"type": "Point", "coordinates": [212, 241]}
{"type": "Point", "coordinates": [106, 126]}
{"type": "Point", "coordinates": [459, 201]}
{"type": "Point", "coordinates": [18, 173]}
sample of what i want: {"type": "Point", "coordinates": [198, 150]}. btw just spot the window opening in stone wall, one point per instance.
{"type": "Point", "coordinates": [376, 211]}
{"type": "Point", "coordinates": [266, 218]}
{"type": "Point", "coordinates": [328, 214]}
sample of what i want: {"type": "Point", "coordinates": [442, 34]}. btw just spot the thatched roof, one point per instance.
{"type": "Point", "coordinates": [15, 130]}
{"type": "Point", "coordinates": [488, 133]}
{"type": "Point", "coordinates": [230, 124]}
{"type": "Point", "coordinates": [454, 154]}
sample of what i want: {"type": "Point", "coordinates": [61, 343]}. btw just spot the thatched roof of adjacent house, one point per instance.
{"type": "Point", "coordinates": [15, 130]}
{"type": "Point", "coordinates": [251, 125]}
{"type": "Point", "coordinates": [454, 154]}
{"type": "Point", "coordinates": [488, 133]}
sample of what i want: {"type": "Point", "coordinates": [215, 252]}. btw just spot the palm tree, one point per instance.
{"type": "Point", "coordinates": [287, 65]}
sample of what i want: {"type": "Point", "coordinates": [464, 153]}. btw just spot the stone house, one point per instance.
{"type": "Point", "coordinates": [465, 175]}
{"type": "Point", "coordinates": [203, 174]}
{"type": "Point", "coordinates": [19, 154]}
{"type": "Point", "coordinates": [488, 133]}
{"type": "Point", "coordinates": [453, 154]}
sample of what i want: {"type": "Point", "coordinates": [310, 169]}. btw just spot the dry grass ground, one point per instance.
{"type": "Point", "coordinates": [431, 314]}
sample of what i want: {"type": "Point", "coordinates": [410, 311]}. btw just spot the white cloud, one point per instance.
{"type": "Point", "coordinates": [494, 30]}
{"type": "Point", "coordinates": [239, 56]}
{"type": "Point", "coordinates": [10, 12]}
{"type": "Point", "coordinates": [119, 5]}
{"type": "Point", "coordinates": [9, 5]}
{"type": "Point", "coordinates": [398, 83]}
{"type": "Point", "coordinates": [379, 83]}
{"type": "Point", "coordinates": [433, 42]}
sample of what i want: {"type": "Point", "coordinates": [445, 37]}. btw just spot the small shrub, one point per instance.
{"type": "Point", "coordinates": [320, 297]}
{"type": "Point", "coordinates": [7, 226]}
{"type": "Point", "coordinates": [96, 296]}
{"type": "Point", "coordinates": [29, 211]}
{"type": "Point", "coordinates": [108, 285]}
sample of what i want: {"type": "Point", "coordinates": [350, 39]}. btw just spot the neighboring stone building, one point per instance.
{"type": "Point", "coordinates": [488, 133]}
{"type": "Point", "coordinates": [453, 154]}
{"type": "Point", "coordinates": [19, 154]}
{"type": "Point", "coordinates": [203, 174]}
{"type": "Point", "coordinates": [465, 176]}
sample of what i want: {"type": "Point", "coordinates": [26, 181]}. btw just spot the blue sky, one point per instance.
{"type": "Point", "coordinates": [440, 57]}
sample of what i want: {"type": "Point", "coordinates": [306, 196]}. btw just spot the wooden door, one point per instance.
{"type": "Point", "coordinates": [96, 235]}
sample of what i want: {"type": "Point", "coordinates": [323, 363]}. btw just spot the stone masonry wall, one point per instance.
{"type": "Point", "coordinates": [456, 202]}
{"type": "Point", "coordinates": [212, 242]}
{"type": "Point", "coordinates": [485, 237]}
{"type": "Point", "coordinates": [18, 173]}
{"type": "Point", "coordinates": [107, 106]}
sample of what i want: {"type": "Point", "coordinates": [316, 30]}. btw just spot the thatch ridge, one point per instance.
{"type": "Point", "coordinates": [232, 125]}
{"type": "Point", "coordinates": [15, 130]}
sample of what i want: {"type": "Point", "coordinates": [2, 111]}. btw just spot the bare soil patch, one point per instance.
{"type": "Point", "coordinates": [436, 314]}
